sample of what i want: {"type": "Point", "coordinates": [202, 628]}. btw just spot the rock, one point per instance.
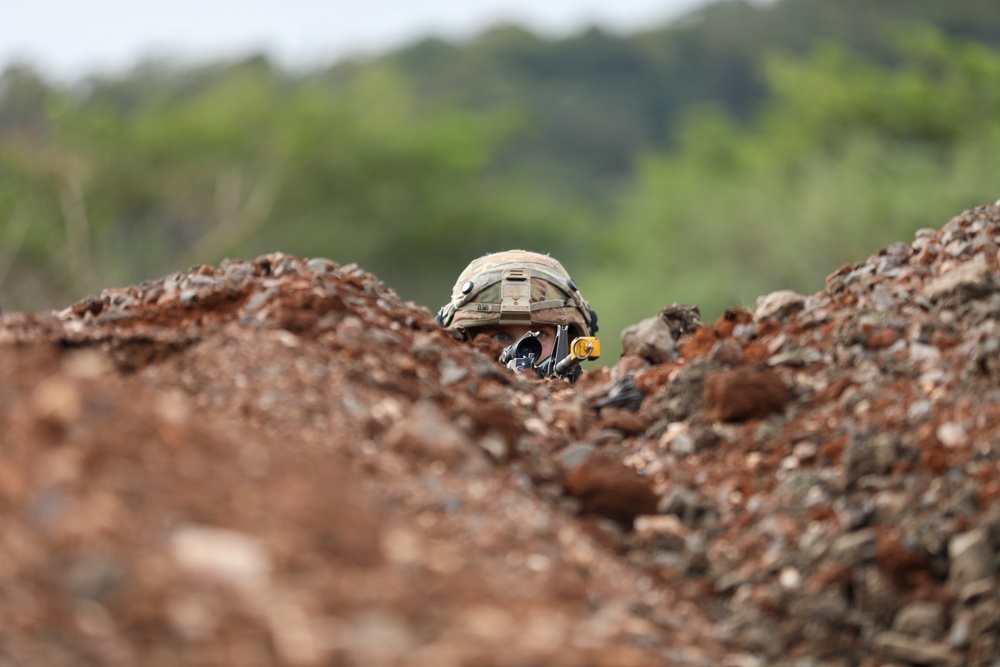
{"type": "Point", "coordinates": [495, 445]}
{"type": "Point", "coordinates": [626, 421]}
{"type": "Point", "coordinates": [952, 435]}
{"type": "Point", "coordinates": [872, 455]}
{"type": "Point", "coordinates": [576, 454]}
{"type": "Point", "coordinates": [57, 400]}
{"type": "Point", "coordinates": [683, 395]}
{"type": "Point", "coordinates": [228, 555]}
{"type": "Point", "coordinates": [966, 281]}
{"type": "Point", "coordinates": [427, 432]}
{"type": "Point", "coordinates": [883, 298]}
{"type": "Point", "coordinates": [628, 365]}
{"type": "Point", "coordinates": [663, 524]}
{"type": "Point", "coordinates": [970, 558]}
{"type": "Point", "coordinates": [682, 320]}
{"type": "Point", "coordinates": [855, 547]}
{"type": "Point", "coordinates": [427, 346]}
{"type": "Point", "coordinates": [651, 339]}
{"type": "Point", "coordinates": [665, 531]}
{"type": "Point", "coordinates": [778, 305]}
{"type": "Point", "coordinates": [744, 393]}
{"type": "Point", "coordinates": [321, 265]}
{"type": "Point", "coordinates": [95, 576]}
{"type": "Point", "coordinates": [451, 372]}
{"type": "Point", "coordinates": [609, 488]}
{"type": "Point", "coordinates": [976, 591]}
{"type": "Point", "coordinates": [690, 506]}
{"type": "Point", "coordinates": [727, 353]}
{"type": "Point", "coordinates": [790, 578]}
{"type": "Point", "coordinates": [897, 646]}
{"type": "Point", "coordinates": [961, 629]}
{"type": "Point", "coordinates": [920, 619]}
{"type": "Point", "coordinates": [236, 273]}
{"type": "Point", "coordinates": [683, 444]}
{"type": "Point", "coordinates": [875, 593]}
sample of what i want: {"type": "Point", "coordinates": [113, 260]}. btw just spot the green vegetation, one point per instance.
{"type": "Point", "coordinates": [744, 149]}
{"type": "Point", "coordinates": [845, 158]}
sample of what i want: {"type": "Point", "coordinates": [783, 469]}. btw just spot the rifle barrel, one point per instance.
{"type": "Point", "coordinates": [571, 360]}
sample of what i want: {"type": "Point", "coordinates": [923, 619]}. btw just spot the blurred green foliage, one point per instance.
{"type": "Point", "coordinates": [744, 149]}
{"type": "Point", "coordinates": [845, 158]}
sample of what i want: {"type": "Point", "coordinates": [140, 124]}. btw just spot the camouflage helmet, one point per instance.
{"type": "Point", "coordinates": [516, 287]}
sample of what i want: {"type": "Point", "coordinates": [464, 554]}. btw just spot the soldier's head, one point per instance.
{"type": "Point", "coordinates": [505, 294]}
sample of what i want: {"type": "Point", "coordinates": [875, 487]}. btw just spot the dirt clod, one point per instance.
{"type": "Point", "coordinates": [743, 393]}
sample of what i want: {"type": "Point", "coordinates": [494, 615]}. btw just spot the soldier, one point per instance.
{"type": "Point", "coordinates": [506, 294]}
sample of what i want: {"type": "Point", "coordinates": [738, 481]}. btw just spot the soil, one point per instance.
{"type": "Point", "coordinates": [279, 462]}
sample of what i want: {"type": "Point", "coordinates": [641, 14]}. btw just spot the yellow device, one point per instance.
{"type": "Point", "coordinates": [585, 347]}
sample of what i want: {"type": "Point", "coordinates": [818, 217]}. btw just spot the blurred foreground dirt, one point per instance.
{"type": "Point", "coordinates": [278, 462]}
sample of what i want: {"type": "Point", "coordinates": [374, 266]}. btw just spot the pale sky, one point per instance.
{"type": "Point", "coordinates": [72, 38]}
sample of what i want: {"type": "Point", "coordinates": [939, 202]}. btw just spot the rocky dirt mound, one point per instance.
{"type": "Point", "coordinates": [278, 462]}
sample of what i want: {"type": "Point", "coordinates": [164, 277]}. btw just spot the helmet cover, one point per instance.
{"type": "Point", "coordinates": [516, 287]}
